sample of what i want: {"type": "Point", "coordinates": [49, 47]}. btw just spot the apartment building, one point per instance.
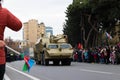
{"type": "Point", "coordinates": [49, 31]}
{"type": "Point", "coordinates": [32, 31]}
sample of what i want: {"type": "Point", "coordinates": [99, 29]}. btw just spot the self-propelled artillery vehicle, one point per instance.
{"type": "Point", "coordinates": [55, 49]}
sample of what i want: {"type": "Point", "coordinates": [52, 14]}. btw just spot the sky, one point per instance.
{"type": "Point", "coordinates": [50, 12]}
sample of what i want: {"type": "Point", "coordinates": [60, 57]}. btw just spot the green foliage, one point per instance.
{"type": "Point", "coordinates": [89, 15]}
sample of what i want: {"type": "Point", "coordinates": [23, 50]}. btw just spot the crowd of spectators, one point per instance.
{"type": "Point", "coordinates": [103, 55]}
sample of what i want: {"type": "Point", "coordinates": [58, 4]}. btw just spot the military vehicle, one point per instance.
{"type": "Point", "coordinates": [53, 48]}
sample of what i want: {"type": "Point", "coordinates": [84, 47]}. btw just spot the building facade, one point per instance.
{"type": "Point", "coordinates": [49, 31]}
{"type": "Point", "coordinates": [32, 31]}
{"type": "Point", "coordinates": [13, 44]}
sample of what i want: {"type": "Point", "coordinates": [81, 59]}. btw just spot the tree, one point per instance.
{"type": "Point", "coordinates": [85, 20]}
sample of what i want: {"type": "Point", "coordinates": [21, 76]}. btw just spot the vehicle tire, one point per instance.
{"type": "Point", "coordinates": [56, 62]}
{"type": "Point", "coordinates": [46, 62]}
{"type": "Point", "coordinates": [66, 62]}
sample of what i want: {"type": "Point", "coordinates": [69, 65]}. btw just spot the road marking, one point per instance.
{"type": "Point", "coordinates": [6, 77]}
{"type": "Point", "coordinates": [32, 77]}
{"type": "Point", "coordinates": [96, 71]}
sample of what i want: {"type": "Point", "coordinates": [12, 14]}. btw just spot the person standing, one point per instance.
{"type": "Point", "coordinates": [7, 19]}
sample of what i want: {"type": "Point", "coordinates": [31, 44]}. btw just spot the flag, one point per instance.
{"type": "Point", "coordinates": [31, 62]}
{"type": "Point", "coordinates": [26, 59]}
{"type": "Point", "coordinates": [108, 35]}
{"type": "Point", "coordinates": [25, 67]}
{"type": "Point", "coordinates": [22, 55]}
{"type": "Point", "coordinates": [79, 46]}
{"type": "Point", "coordinates": [28, 63]}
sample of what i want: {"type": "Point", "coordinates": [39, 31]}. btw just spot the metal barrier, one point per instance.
{"type": "Point", "coordinates": [12, 55]}
{"type": "Point", "coordinates": [12, 50]}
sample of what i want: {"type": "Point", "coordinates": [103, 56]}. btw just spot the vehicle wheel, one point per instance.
{"type": "Point", "coordinates": [63, 62]}
{"type": "Point", "coordinates": [46, 62]}
{"type": "Point", "coordinates": [56, 62]}
{"type": "Point", "coordinates": [66, 62]}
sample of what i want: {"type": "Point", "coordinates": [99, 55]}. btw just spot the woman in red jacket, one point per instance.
{"type": "Point", "coordinates": [7, 19]}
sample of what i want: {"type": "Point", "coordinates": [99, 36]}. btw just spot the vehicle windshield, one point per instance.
{"type": "Point", "coordinates": [52, 46]}
{"type": "Point", "coordinates": [64, 46]}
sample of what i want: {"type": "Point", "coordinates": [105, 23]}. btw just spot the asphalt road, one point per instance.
{"type": "Point", "coordinates": [77, 71]}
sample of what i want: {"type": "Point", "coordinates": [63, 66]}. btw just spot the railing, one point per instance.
{"type": "Point", "coordinates": [12, 55]}
{"type": "Point", "coordinates": [12, 50]}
